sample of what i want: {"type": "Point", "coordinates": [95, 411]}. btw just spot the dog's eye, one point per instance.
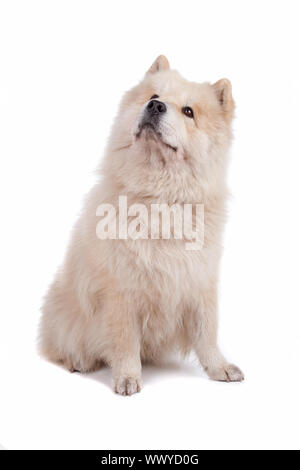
{"type": "Point", "coordinates": [153, 97]}
{"type": "Point", "coordinates": [188, 112]}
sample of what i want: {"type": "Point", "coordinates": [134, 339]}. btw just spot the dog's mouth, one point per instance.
{"type": "Point", "coordinates": [152, 131]}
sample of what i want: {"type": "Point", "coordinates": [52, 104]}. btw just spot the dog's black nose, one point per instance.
{"type": "Point", "coordinates": [156, 107]}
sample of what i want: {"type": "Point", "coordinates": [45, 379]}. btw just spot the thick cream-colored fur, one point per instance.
{"type": "Point", "coordinates": [123, 302]}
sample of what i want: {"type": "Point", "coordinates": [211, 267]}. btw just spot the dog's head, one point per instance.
{"type": "Point", "coordinates": [167, 121]}
{"type": "Point", "coordinates": [180, 116]}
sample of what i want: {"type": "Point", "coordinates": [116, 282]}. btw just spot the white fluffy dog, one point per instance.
{"type": "Point", "coordinates": [126, 301]}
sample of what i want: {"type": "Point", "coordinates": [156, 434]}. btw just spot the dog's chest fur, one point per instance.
{"type": "Point", "coordinates": [165, 281]}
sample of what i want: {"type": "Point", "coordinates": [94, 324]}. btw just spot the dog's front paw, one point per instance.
{"type": "Point", "coordinates": [127, 385]}
{"type": "Point", "coordinates": [227, 373]}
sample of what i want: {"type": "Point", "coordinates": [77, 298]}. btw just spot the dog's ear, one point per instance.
{"type": "Point", "coordinates": [223, 90]}
{"type": "Point", "coordinates": [161, 63]}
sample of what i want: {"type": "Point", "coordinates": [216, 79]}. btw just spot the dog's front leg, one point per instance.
{"type": "Point", "coordinates": [124, 346]}
{"type": "Point", "coordinates": [206, 346]}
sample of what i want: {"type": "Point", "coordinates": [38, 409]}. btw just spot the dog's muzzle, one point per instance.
{"type": "Point", "coordinates": [151, 116]}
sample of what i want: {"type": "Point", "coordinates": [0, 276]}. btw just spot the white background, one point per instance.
{"type": "Point", "coordinates": [64, 66]}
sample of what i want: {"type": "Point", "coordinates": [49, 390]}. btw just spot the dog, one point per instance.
{"type": "Point", "coordinates": [127, 301]}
